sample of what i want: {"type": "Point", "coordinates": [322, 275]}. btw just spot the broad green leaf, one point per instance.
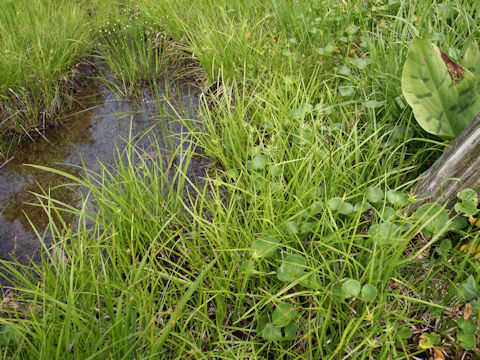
{"type": "Point", "coordinates": [468, 326]}
{"type": "Point", "coordinates": [350, 288]}
{"type": "Point", "coordinates": [346, 91]}
{"type": "Point", "coordinates": [292, 267]}
{"type": "Point", "coordinates": [404, 333]}
{"type": "Point", "coordinates": [284, 314]}
{"type": "Point", "coordinates": [301, 111]}
{"type": "Point", "coordinates": [471, 60]}
{"type": "Point", "coordinates": [307, 227]}
{"type": "Point", "coordinates": [369, 292]}
{"type": "Point", "coordinates": [443, 97]}
{"type": "Point", "coordinates": [433, 216]}
{"type": "Point", "coordinates": [272, 333]}
{"type": "Point", "coordinates": [458, 223]}
{"type": "Point", "coordinates": [313, 281]}
{"type": "Point", "coordinates": [360, 63]}
{"type": "Point", "coordinates": [387, 213]}
{"type": "Point", "coordinates": [467, 341]}
{"type": "Point", "coordinates": [374, 195]}
{"type": "Point", "coordinates": [264, 246]}
{"type": "Point", "coordinates": [346, 209]}
{"type": "Point", "coordinates": [232, 173]}
{"type": "Point", "coordinates": [467, 208]}
{"type": "Point", "coordinates": [385, 232]}
{"type": "Point", "coordinates": [292, 227]}
{"type": "Point", "coordinates": [344, 70]}
{"type": "Point", "coordinates": [259, 162]}
{"type": "Point", "coordinates": [468, 290]}
{"type": "Point", "coordinates": [290, 331]}
{"type": "Point", "coordinates": [445, 247]}
{"type": "Point", "coordinates": [397, 198]}
{"type": "Point", "coordinates": [362, 207]}
{"type": "Point", "coordinates": [335, 203]}
{"type": "Point", "coordinates": [428, 341]}
{"type": "Point", "coordinates": [469, 195]}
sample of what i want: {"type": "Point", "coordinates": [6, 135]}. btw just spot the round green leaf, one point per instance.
{"type": "Point", "coordinates": [284, 314]}
{"type": "Point", "coordinates": [433, 216]}
{"type": "Point", "coordinates": [385, 233]}
{"type": "Point", "coordinates": [351, 288]}
{"type": "Point", "coordinates": [467, 326]}
{"type": "Point", "coordinates": [290, 331]}
{"type": "Point", "coordinates": [467, 341]}
{"type": "Point", "coordinates": [387, 213]}
{"type": "Point", "coordinates": [272, 333]}
{"type": "Point", "coordinates": [369, 292]}
{"type": "Point", "coordinates": [458, 223]}
{"type": "Point", "coordinates": [467, 208]}
{"type": "Point", "coordinates": [292, 227]}
{"type": "Point", "coordinates": [374, 195]}
{"type": "Point", "coordinates": [397, 198]}
{"type": "Point", "coordinates": [346, 209]}
{"type": "Point", "coordinates": [404, 333]}
{"type": "Point", "coordinates": [292, 267]}
{"type": "Point", "coordinates": [259, 162]}
{"type": "Point", "coordinates": [335, 203]}
{"type": "Point", "coordinates": [264, 246]}
{"type": "Point", "coordinates": [307, 227]}
{"type": "Point", "coordinates": [469, 195]}
{"type": "Point", "coordinates": [313, 281]}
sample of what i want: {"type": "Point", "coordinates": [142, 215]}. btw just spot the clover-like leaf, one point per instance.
{"type": "Point", "coordinates": [307, 227]}
{"type": "Point", "coordinates": [272, 333]}
{"type": "Point", "coordinates": [397, 198]}
{"type": "Point", "coordinates": [265, 246]}
{"type": "Point", "coordinates": [457, 223]}
{"type": "Point", "coordinates": [432, 216]}
{"type": "Point", "coordinates": [369, 292]}
{"type": "Point", "coordinates": [346, 91]}
{"type": "Point", "coordinates": [290, 331]}
{"type": "Point", "coordinates": [312, 281]}
{"type": "Point", "coordinates": [468, 290]}
{"type": "Point", "coordinates": [350, 288]}
{"type": "Point", "coordinates": [292, 227]}
{"type": "Point", "coordinates": [404, 333]}
{"type": "Point", "coordinates": [284, 314]}
{"type": "Point", "coordinates": [428, 341]}
{"type": "Point", "coordinates": [259, 162]}
{"type": "Point", "coordinates": [291, 268]}
{"type": "Point", "coordinates": [469, 195]}
{"type": "Point", "coordinates": [385, 232]}
{"type": "Point", "coordinates": [374, 195]}
{"type": "Point", "coordinates": [467, 208]}
{"type": "Point", "coordinates": [444, 248]}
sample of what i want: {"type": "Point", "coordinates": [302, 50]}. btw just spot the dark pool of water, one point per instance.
{"type": "Point", "coordinates": [91, 135]}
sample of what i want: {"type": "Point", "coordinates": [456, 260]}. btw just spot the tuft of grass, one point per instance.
{"type": "Point", "coordinates": [307, 108]}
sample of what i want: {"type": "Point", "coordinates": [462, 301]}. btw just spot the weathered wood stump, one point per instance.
{"type": "Point", "coordinates": [456, 169]}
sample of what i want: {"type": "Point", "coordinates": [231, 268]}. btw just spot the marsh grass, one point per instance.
{"type": "Point", "coordinates": [310, 109]}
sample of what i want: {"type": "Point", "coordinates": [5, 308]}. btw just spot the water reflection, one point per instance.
{"type": "Point", "coordinates": [89, 136]}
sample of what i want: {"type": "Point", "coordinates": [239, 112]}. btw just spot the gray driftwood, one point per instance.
{"type": "Point", "coordinates": [456, 169]}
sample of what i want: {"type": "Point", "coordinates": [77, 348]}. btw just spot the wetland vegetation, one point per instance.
{"type": "Point", "coordinates": [297, 243]}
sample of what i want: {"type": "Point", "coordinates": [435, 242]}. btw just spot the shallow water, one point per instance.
{"type": "Point", "coordinates": [89, 136]}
